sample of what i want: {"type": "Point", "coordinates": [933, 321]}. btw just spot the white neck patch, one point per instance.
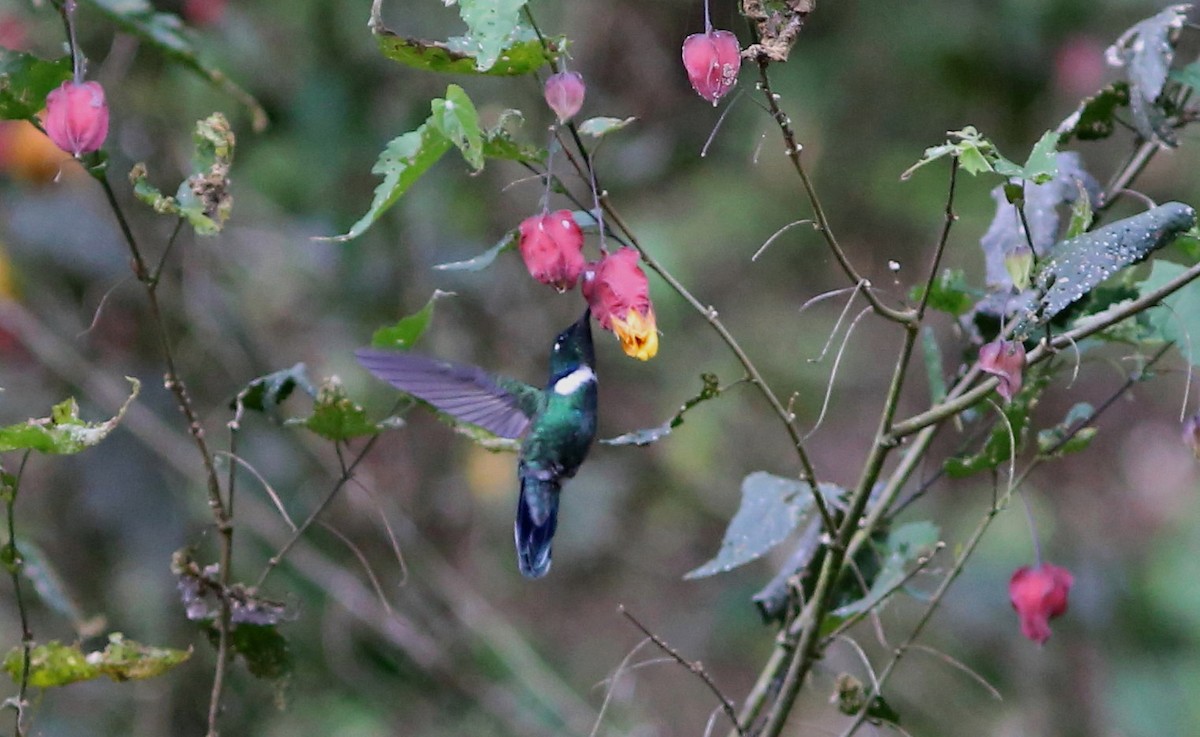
{"type": "Point", "coordinates": [571, 383]}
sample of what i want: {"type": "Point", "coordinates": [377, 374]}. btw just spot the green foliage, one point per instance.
{"type": "Point", "coordinates": [1096, 117]}
{"type": "Point", "coordinates": [456, 118]}
{"type": "Point", "coordinates": [203, 199]}
{"type": "Point", "coordinates": [491, 25]}
{"type": "Point", "coordinates": [405, 333]}
{"type": "Point", "coordinates": [597, 127]}
{"type": "Point", "coordinates": [1076, 266]}
{"type": "Point", "coordinates": [335, 417]}
{"type": "Point", "coordinates": [62, 433]}
{"type": "Point", "coordinates": [978, 155]}
{"type": "Point", "coordinates": [949, 293]}
{"type": "Point", "coordinates": [508, 242]}
{"type": "Point", "coordinates": [56, 664]}
{"type": "Point", "coordinates": [166, 32]}
{"type": "Point", "coordinates": [25, 80]}
{"type": "Point", "coordinates": [905, 547]}
{"type": "Point", "coordinates": [1053, 441]}
{"type": "Point", "coordinates": [998, 450]}
{"type": "Point", "coordinates": [1178, 319]}
{"type": "Point", "coordinates": [498, 142]}
{"type": "Point", "coordinates": [772, 507]}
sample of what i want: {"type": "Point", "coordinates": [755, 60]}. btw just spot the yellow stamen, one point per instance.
{"type": "Point", "coordinates": [639, 338]}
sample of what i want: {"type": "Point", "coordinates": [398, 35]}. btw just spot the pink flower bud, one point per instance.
{"type": "Point", "coordinates": [564, 94]}
{"type": "Point", "coordinates": [1039, 595]}
{"type": "Point", "coordinates": [76, 117]}
{"type": "Point", "coordinates": [1005, 359]}
{"type": "Point", "coordinates": [552, 246]}
{"type": "Point", "coordinates": [619, 295]}
{"type": "Point", "coordinates": [712, 60]}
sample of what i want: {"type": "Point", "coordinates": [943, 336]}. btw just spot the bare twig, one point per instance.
{"type": "Point", "coordinates": [14, 564]}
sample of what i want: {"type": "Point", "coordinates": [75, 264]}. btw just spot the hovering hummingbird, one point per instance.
{"type": "Point", "coordinates": [557, 423]}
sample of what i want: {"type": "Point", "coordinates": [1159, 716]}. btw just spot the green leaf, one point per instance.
{"type": "Point", "coordinates": [491, 27]}
{"type": "Point", "coordinates": [407, 330]}
{"type": "Point", "coordinates": [498, 141]}
{"type": "Point", "coordinates": [1178, 319]}
{"type": "Point", "coordinates": [269, 391]}
{"type": "Point", "coordinates": [336, 418]}
{"type": "Point", "coordinates": [485, 259]}
{"type": "Point", "coordinates": [401, 164]}
{"type": "Point", "coordinates": [850, 695]}
{"type": "Point", "coordinates": [998, 449]}
{"type": "Point", "coordinates": [1189, 75]}
{"type": "Point", "coordinates": [772, 506]}
{"type": "Point", "coordinates": [524, 54]}
{"type": "Point", "coordinates": [1081, 213]}
{"type": "Point", "coordinates": [455, 117]}
{"type": "Point", "coordinates": [62, 432]}
{"type": "Point", "coordinates": [167, 33]}
{"type": "Point", "coordinates": [1096, 117]}
{"type": "Point", "coordinates": [25, 80]}
{"type": "Point", "coordinates": [905, 546]}
{"type": "Point", "coordinates": [933, 364]}
{"type": "Point", "coordinates": [601, 126]}
{"type": "Point", "coordinates": [950, 293]}
{"type": "Point", "coordinates": [1076, 266]}
{"type": "Point", "coordinates": [55, 664]}
{"type": "Point", "coordinates": [974, 152]}
{"type": "Point", "coordinates": [1050, 440]}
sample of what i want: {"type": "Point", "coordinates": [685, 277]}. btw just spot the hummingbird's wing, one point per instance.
{"type": "Point", "coordinates": [501, 406]}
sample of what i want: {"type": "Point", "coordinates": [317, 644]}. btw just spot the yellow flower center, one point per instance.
{"type": "Point", "coordinates": [637, 333]}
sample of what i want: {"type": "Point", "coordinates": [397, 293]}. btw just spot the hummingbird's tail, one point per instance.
{"type": "Point", "coordinates": [537, 517]}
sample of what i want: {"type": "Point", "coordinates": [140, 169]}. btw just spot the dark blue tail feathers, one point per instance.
{"type": "Point", "coordinates": [537, 517]}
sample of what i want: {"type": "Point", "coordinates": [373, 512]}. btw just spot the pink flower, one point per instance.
{"type": "Point", "coordinates": [552, 246]}
{"type": "Point", "coordinates": [76, 117]}
{"type": "Point", "coordinates": [1005, 359]}
{"type": "Point", "coordinates": [1039, 595]}
{"type": "Point", "coordinates": [203, 12]}
{"type": "Point", "coordinates": [564, 94]}
{"type": "Point", "coordinates": [619, 295]}
{"type": "Point", "coordinates": [712, 60]}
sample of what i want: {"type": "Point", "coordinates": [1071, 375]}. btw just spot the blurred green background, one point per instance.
{"type": "Point", "coordinates": [463, 644]}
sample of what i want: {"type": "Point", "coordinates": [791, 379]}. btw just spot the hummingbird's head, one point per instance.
{"type": "Point", "coordinates": [573, 347]}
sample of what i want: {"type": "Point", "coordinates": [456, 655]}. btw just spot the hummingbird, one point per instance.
{"type": "Point", "coordinates": [556, 425]}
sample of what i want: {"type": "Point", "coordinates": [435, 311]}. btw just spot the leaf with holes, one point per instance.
{"type": "Point", "coordinates": [56, 664]}
{"type": "Point", "coordinates": [1075, 267]}
{"type": "Point", "coordinates": [772, 507]}
{"type": "Point", "coordinates": [63, 433]}
{"type": "Point", "coordinates": [1145, 52]}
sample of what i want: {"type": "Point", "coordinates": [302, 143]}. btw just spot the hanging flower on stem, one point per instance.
{"type": "Point", "coordinates": [1005, 359]}
{"type": "Point", "coordinates": [1038, 595]}
{"type": "Point", "coordinates": [76, 116]}
{"type": "Point", "coordinates": [618, 293]}
{"type": "Point", "coordinates": [564, 94]}
{"type": "Point", "coordinates": [712, 60]}
{"type": "Point", "coordinates": [552, 246]}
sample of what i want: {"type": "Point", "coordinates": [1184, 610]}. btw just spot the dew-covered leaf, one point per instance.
{"type": "Point", "coordinates": [167, 33]}
{"type": "Point", "coordinates": [404, 333]}
{"type": "Point", "coordinates": [456, 118]}
{"type": "Point", "coordinates": [772, 507]}
{"type": "Point", "coordinates": [267, 392]}
{"type": "Point", "coordinates": [485, 259]}
{"type": "Point", "coordinates": [401, 164]}
{"type": "Point", "coordinates": [55, 664]}
{"type": "Point", "coordinates": [905, 546]}
{"type": "Point", "coordinates": [597, 127]}
{"type": "Point", "coordinates": [1145, 52]}
{"type": "Point", "coordinates": [1074, 267]}
{"type": "Point", "coordinates": [711, 388]}
{"type": "Point", "coordinates": [335, 417]}
{"type": "Point", "coordinates": [1053, 440]}
{"type": "Point", "coordinates": [63, 432]}
{"type": "Point", "coordinates": [1006, 234]}
{"type": "Point", "coordinates": [25, 80]}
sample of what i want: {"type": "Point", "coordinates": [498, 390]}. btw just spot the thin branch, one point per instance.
{"type": "Point", "coordinates": [14, 564]}
{"type": "Point", "coordinates": [612, 685]}
{"type": "Point", "coordinates": [692, 665]}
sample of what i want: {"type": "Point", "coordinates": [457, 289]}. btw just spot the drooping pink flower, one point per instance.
{"type": "Point", "coordinates": [1039, 595]}
{"type": "Point", "coordinates": [712, 60]}
{"type": "Point", "coordinates": [552, 246]}
{"type": "Point", "coordinates": [1005, 359]}
{"type": "Point", "coordinates": [564, 94]}
{"type": "Point", "coordinates": [619, 296]}
{"type": "Point", "coordinates": [76, 117]}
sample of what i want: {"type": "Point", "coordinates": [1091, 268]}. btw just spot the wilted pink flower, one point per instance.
{"type": "Point", "coordinates": [712, 60]}
{"type": "Point", "coordinates": [564, 94]}
{"type": "Point", "coordinates": [552, 246]}
{"type": "Point", "coordinates": [1005, 359]}
{"type": "Point", "coordinates": [76, 117]}
{"type": "Point", "coordinates": [1039, 595]}
{"type": "Point", "coordinates": [619, 295]}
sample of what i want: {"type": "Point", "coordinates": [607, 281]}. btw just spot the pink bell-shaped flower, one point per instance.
{"type": "Point", "coordinates": [712, 60]}
{"type": "Point", "coordinates": [1039, 595]}
{"type": "Point", "coordinates": [552, 246]}
{"type": "Point", "coordinates": [76, 117]}
{"type": "Point", "coordinates": [564, 94]}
